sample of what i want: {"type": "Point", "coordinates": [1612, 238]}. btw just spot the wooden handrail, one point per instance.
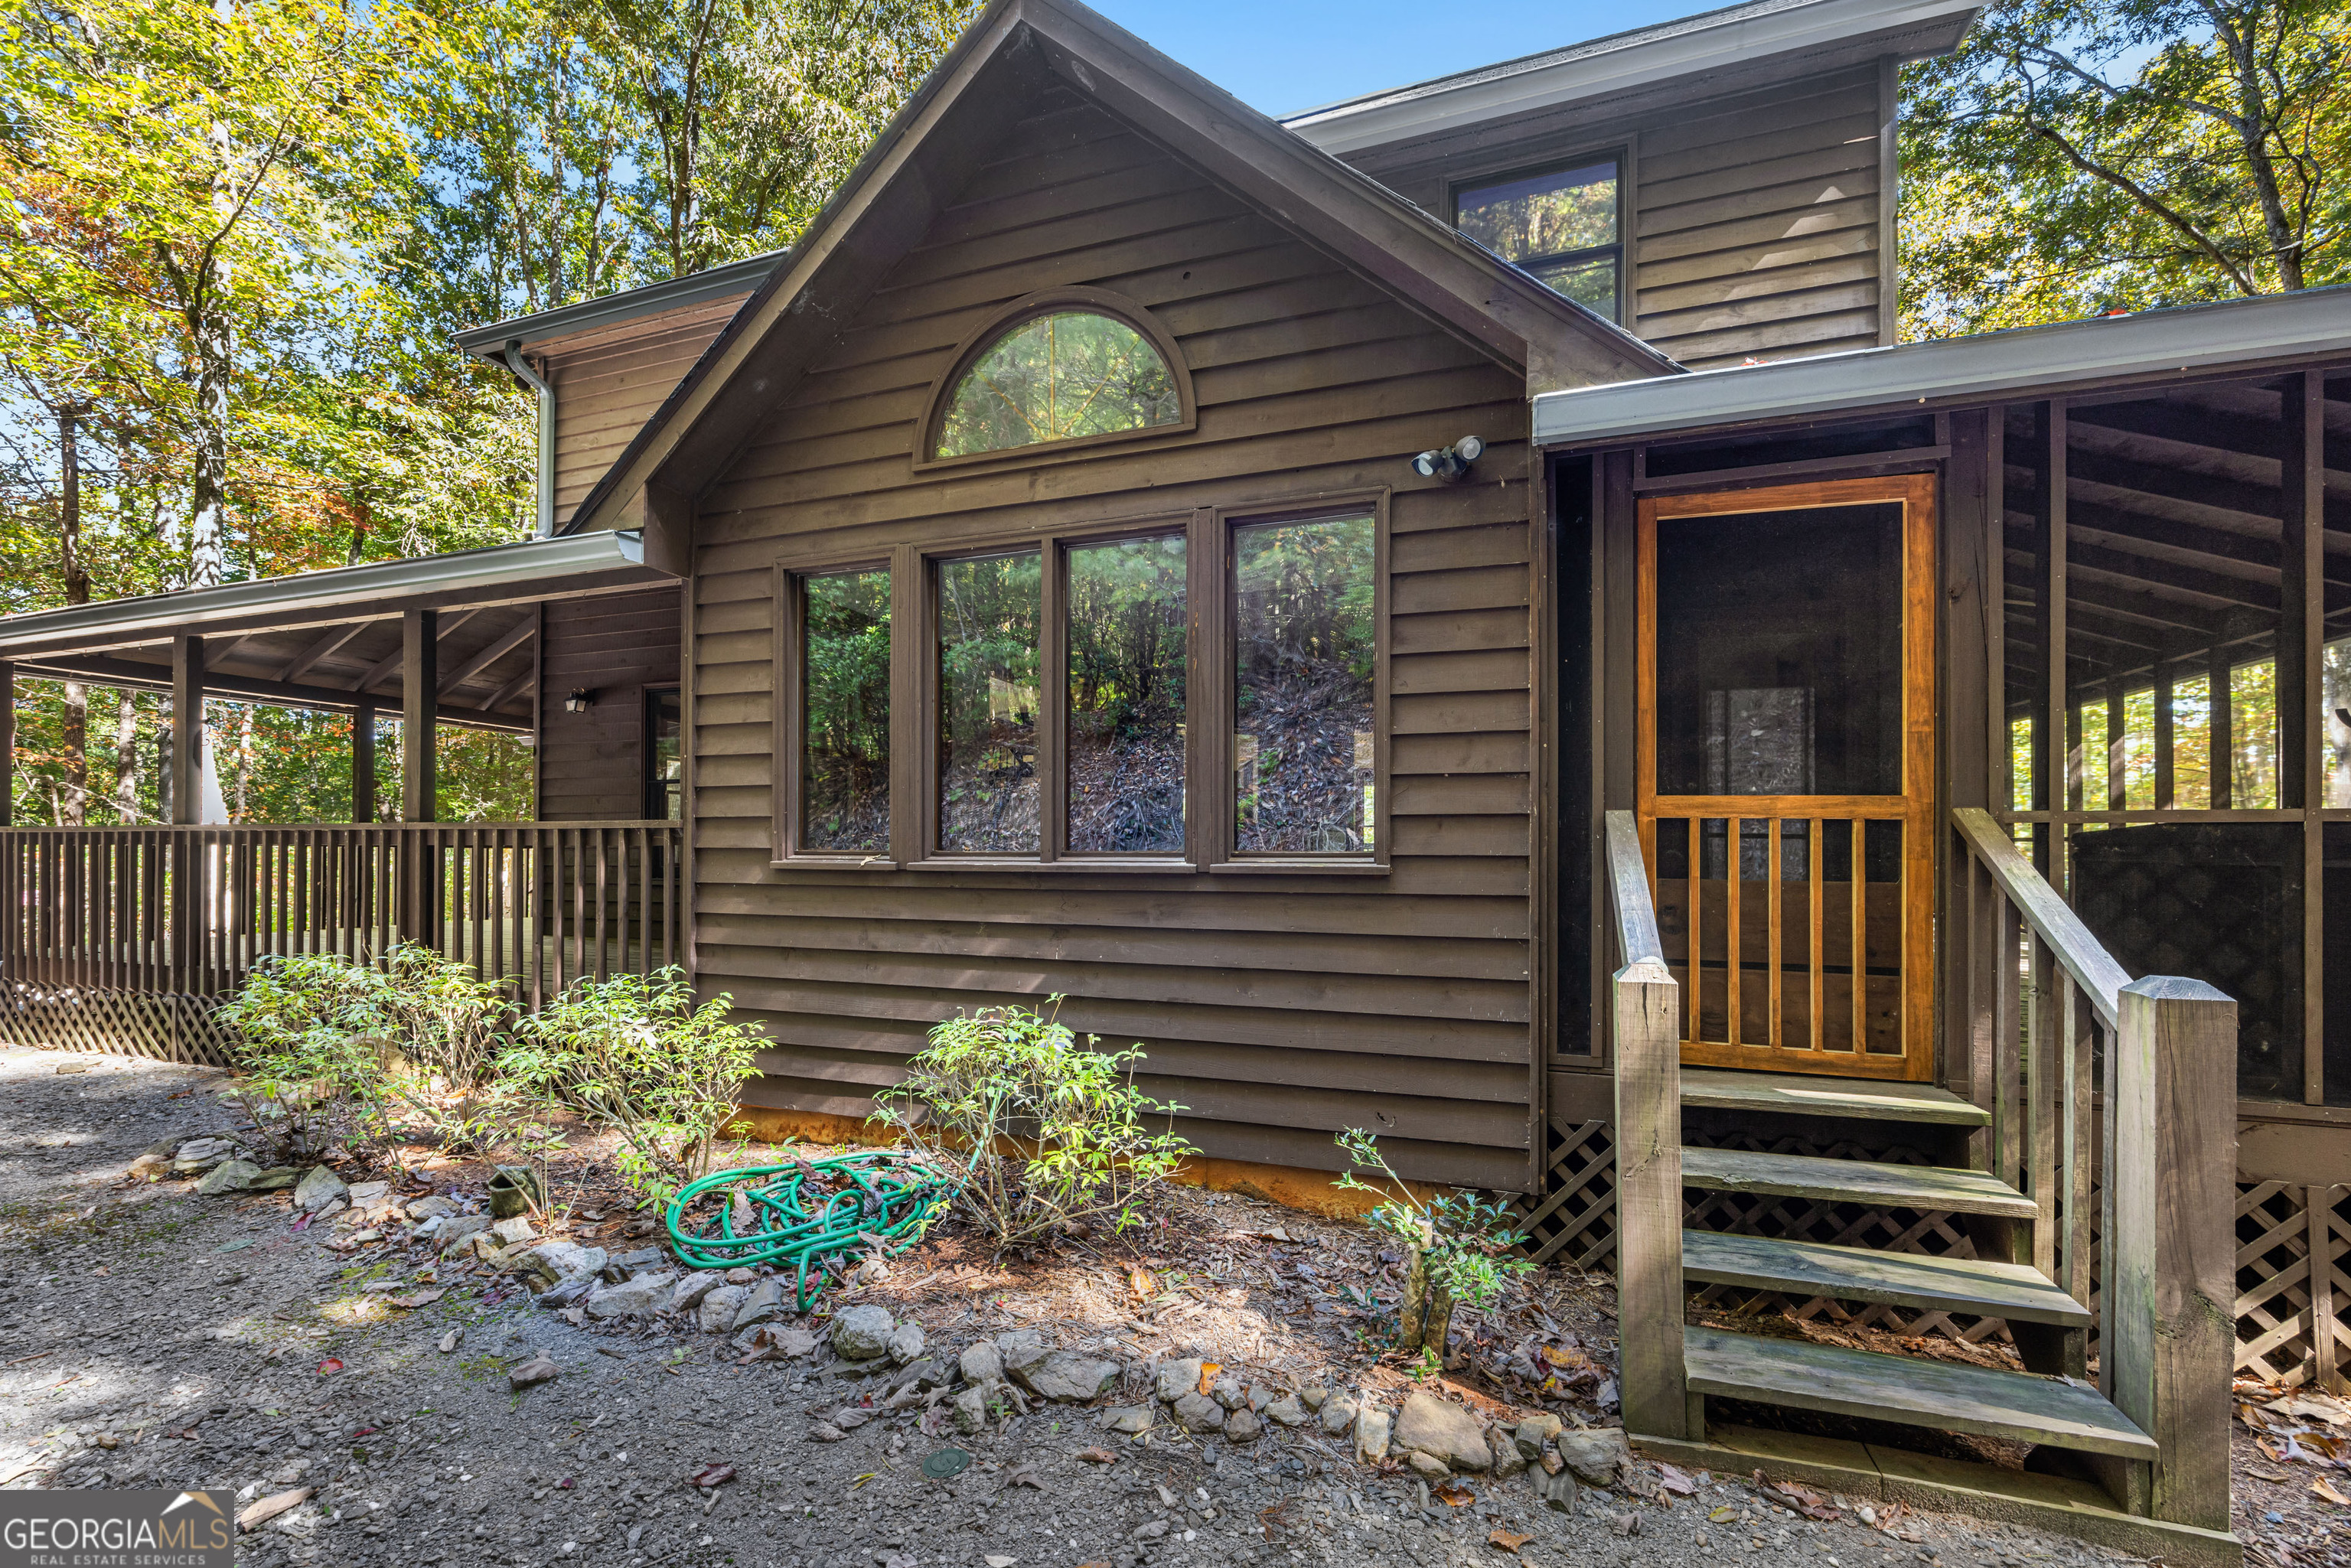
{"type": "Point", "coordinates": [2069, 941]}
{"type": "Point", "coordinates": [1628, 883]}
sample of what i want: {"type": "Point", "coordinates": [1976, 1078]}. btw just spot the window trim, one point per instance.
{"type": "Point", "coordinates": [1621, 155]}
{"type": "Point", "coordinates": [1218, 632]}
{"type": "Point", "coordinates": [1047, 302]}
{"type": "Point", "coordinates": [788, 664]}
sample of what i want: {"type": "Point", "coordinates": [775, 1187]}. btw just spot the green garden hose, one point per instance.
{"type": "Point", "coordinates": [806, 1213]}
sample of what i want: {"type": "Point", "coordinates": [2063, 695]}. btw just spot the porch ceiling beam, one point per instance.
{"type": "Point", "coordinates": [2242, 503]}
{"type": "Point", "coordinates": [512, 689]}
{"type": "Point", "coordinates": [2216, 592]}
{"type": "Point", "coordinates": [325, 647]}
{"type": "Point", "coordinates": [131, 675]}
{"type": "Point", "coordinates": [2131, 600]}
{"type": "Point", "coordinates": [2199, 424]}
{"type": "Point", "coordinates": [391, 662]}
{"type": "Point", "coordinates": [2089, 622]}
{"type": "Point", "coordinates": [514, 637]}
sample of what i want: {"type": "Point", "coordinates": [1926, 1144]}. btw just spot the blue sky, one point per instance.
{"type": "Point", "coordinates": [1279, 56]}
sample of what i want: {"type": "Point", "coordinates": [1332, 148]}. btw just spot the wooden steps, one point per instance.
{"type": "Point", "coordinates": [1808, 1269]}
{"type": "Point", "coordinates": [1921, 1187]}
{"type": "Point", "coordinates": [1910, 1390]}
{"type": "Point", "coordinates": [1788, 1094]}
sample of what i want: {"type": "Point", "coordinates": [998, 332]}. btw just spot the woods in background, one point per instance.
{"type": "Point", "coordinates": [241, 236]}
{"type": "Point", "coordinates": [2080, 157]}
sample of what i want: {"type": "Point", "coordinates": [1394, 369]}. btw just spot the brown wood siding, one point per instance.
{"type": "Point", "coordinates": [591, 764]}
{"type": "Point", "coordinates": [1753, 230]}
{"type": "Point", "coordinates": [1279, 1009]}
{"type": "Point", "coordinates": [607, 386]}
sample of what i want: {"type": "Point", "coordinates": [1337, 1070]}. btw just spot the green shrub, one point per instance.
{"type": "Point", "coordinates": [312, 1068]}
{"type": "Point", "coordinates": [635, 1055]}
{"type": "Point", "coordinates": [1457, 1248]}
{"type": "Point", "coordinates": [1041, 1131]}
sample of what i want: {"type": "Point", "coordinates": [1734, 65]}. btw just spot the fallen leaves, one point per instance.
{"type": "Point", "coordinates": [1208, 1370]}
{"type": "Point", "coordinates": [328, 1367]}
{"type": "Point", "coordinates": [2326, 1489]}
{"type": "Point", "coordinates": [711, 1476]}
{"type": "Point", "coordinates": [1797, 1498]}
{"type": "Point", "coordinates": [1680, 1483]}
{"type": "Point", "coordinates": [1024, 1476]}
{"type": "Point", "coordinates": [1505, 1540]}
{"type": "Point", "coordinates": [1097, 1456]}
{"type": "Point", "coordinates": [416, 1299]}
{"type": "Point", "coordinates": [1453, 1494]}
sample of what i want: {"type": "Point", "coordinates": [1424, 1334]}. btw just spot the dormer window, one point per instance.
{"type": "Point", "coordinates": [1563, 226]}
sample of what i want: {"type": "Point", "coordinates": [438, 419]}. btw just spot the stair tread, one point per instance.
{"type": "Point", "coordinates": [1923, 1187]}
{"type": "Point", "coordinates": [1810, 1096]}
{"type": "Point", "coordinates": [1912, 1390]}
{"type": "Point", "coordinates": [1807, 1269]}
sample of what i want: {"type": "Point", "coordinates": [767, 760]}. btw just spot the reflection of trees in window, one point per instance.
{"type": "Point", "coordinates": [988, 703]}
{"type": "Point", "coordinates": [1303, 685]}
{"type": "Point", "coordinates": [845, 761]}
{"type": "Point", "coordinates": [1057, 378]}
{"type": "Point", "coordinates": [1560, 225]}
{"type": "Point", "coordinates": [1126, 634]}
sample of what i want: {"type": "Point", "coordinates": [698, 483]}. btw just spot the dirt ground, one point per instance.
{"type": "Point", "coordinates": [158, 1338]}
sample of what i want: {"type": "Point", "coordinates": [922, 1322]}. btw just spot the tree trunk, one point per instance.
{"type": "Point", "coordinates": [73, 807]}
{"type": "Point", "coordinates": [126, 759]}
{"type": "Point", "coordinates": [1424, 1321]}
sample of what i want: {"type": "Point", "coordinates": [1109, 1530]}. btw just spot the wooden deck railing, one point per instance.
{"type": "Point", "coordinates": [1652, 1383]}
{"type": "Point", "coordinates": [188, 911]}
{"type": "Point", "coordinates": [2114, 1108]}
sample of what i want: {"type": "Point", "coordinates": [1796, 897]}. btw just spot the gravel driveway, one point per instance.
{"type": "Point", "coordinates": [156, 1338]}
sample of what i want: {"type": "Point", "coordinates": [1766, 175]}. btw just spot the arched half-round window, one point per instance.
{"type": "Point", "coordinates": [1061, 370]}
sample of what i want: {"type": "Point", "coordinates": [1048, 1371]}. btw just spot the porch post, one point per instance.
{"type": "Point", "coordinates": [419, 856]}
{"type": "Point", "coordinates": [363, 762]}
{"type": "Point", "coordinates": [420, 712]}
{"type": "Point", "coordinates": [184, 778]}
{"type": "Point", "coordinates": [187, 730]}
{"type": "Point", "coordinates": [7, 744]}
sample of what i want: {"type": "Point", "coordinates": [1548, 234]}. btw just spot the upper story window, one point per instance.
{"type": "Point", "coordinates": [1563, 226]}
{"type": "Point", "coordinates": [1063, 375]}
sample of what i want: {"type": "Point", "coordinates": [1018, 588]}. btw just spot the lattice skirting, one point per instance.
{"type": "Point", "coordinates": [2289, 1330]}
{"type": "Point", "coordinates": [164, 1028]}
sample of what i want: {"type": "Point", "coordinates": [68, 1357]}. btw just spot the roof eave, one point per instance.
{"type": "Point", "coordinates": [530, 570]}
{"type": "Point", "coordinates": [612, 309]}
{"type": "Point", "coordinates": [1638, 59]}
{"type": "Point", "coordinates": [2271, 332]}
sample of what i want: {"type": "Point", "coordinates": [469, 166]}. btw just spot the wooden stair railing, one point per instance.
{"type": "Point", "coordinates": [2044, 1003]}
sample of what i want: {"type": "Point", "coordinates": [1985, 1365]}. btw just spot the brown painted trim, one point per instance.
{"type": "Point", "coordinates": [689, 628]}
{"type": "Point", "coordinates": [1543, 827]}
{"type": "Point", "coordinates": [1047, 302]}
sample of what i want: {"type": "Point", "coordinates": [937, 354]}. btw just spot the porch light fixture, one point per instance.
{"type": "Point", "coordinates": [581, 700]}
{"type": "Point", "coordinates": [1449, 464]}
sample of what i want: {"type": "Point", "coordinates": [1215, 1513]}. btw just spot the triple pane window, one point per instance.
{"type": "Point", "coordinates": [1069, 688]}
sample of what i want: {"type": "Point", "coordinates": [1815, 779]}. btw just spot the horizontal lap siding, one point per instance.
{"type": "Point", "coordinates": [1755, 228]}
{"type": "Point", "coordinates": [591, 764]}
{"type": "Point", "coordinates": [1277, 1011]}
{"type": "Point", "coordinates": [605, 390]}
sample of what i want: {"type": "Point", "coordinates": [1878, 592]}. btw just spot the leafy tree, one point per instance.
{"type": "Point", "coordinates": [2081, 157]}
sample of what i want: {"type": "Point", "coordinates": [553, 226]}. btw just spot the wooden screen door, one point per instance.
{"type": "Point", "coordinates": [1785, 733]}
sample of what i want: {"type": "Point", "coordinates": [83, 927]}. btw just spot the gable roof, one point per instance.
{"type": "Point", "coordinates": [494, 338]}
{"type": "Point", "coordinates": [1819, 33]}
{"type": "Point", "coordinates": [926, 155]}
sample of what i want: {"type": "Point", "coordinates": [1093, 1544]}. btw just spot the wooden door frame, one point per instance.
{"type": "Point", "coordinates": [1915, 807]}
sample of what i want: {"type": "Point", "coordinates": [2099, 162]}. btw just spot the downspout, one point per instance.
{"type": "Point", "coordinates": [512, 357]}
